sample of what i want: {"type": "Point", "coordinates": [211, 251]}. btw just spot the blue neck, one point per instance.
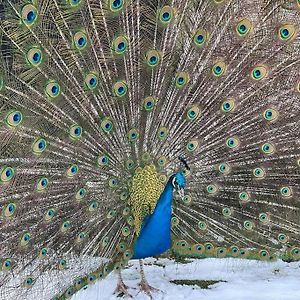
{"type": "Point", "coordinates": [165, 199]}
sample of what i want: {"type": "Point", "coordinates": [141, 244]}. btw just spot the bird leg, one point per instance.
{"type": "Point", "coordinates": [122, 288]}
{"type": "Point", "coordinates": [144, 285]}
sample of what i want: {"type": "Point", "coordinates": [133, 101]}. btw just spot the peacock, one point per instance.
{"type": "Point", "coordinates": [136, 128]}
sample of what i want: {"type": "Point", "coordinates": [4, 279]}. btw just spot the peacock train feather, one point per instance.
{"type": "Point", "coordinates": [99, 98]}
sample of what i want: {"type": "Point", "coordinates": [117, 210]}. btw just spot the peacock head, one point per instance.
{"type": "Point", "coordinates": [178, 182]}
{"type": "Point", "coordinates": [178, 179]}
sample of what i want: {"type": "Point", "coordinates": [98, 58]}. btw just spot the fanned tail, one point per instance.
{"type": "Point", "coordinates": [95, 94]}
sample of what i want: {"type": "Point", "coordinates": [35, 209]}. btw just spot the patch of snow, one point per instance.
{"type": "Point", "coordinates": [245, 280]}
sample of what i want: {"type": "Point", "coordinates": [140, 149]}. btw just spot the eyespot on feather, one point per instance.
{"type": "Point", "coordinates": [259, 72]}
{"type": "Point", "coordinates": [6, 174]}
{"type": "Point", "coordinates": [219, 68]}
{"type": "Point", "coordinates": [152, 58]}
{"type": "Point", "coordinates": [13, 119]}
{"type": "Point", "coordinates": [120, 44]}
{"type": "Point", "coordinates": [52, 89]}
{"type": "Point", "coordinates": [34, 56]}
{"type": "Point", "coordinates": [200, 37]}
{"type": "Point", "coordinates": [29, 15]}
{"type": "Point", "coordinates": [244, 27]}
{"type": "Point", "coordinates": [166, 15]}
{"type": "Point", "coordinates": [80, 40]}
{"type": "Point", "coordinates": [120, 88]}
{"type": "Point", "coordinates": [39, 146]}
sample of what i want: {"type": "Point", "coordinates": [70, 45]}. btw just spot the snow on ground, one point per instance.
{"type": "Point", "coordinates": [245, 280]}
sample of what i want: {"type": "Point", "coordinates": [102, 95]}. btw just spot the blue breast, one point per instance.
{"type": "Point", "coordinates": [155, 235]}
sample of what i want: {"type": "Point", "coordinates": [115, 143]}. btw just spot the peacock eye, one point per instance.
{"type": "Point", "coordinates": [286, 32]}
{"type": "Point", "coordinates": [232, 142]}
{"type": "Point", "coordinates": [103, 160]}
{"type": "Point", "coordinates": [6, 174]}
{"type": "Point", "coordinates": [133, 135]}
{"type": "Point", "coordinates": [234, 250]}
{"type": "Point", "coordinates": [219, 68]}
{"type": "Point", "coordinates": [10, 210]}
{"type": "Point", "coordinates": [75, 132]}
{"type": "Point", "coordinates": [93, 206]}
{"type": "Point", "coordinates": [270, 114]}
{"type": "Point", "coordinates": [166, 15]}
{"type": "Point", "coordinates": [39, 146]}
{"type": "Point", "coordinates": [80, 40]}
{"type": "Point", "coordinates": [72, 170]}
{"type": "Point", "coordinates": [25, 239]}
{"type": "Point", "coordinates": [28, 282]}
{"type": "Point", "coordinates": [126, 231]}
{"type": "Point", "coordinates": [79, 282]}
{"type": "Point", "coordinates": [106, 125]}
{"type": "Point", "coordinates": [74, 3]}
{"type": "Point", "coordinates": [81, 237]}
{"type": "Point", "coordinates": [113, 182]}
{"type": "Point", "coordinates": [116, 5]}
{"type": "Point", "coordinates": [263, 217]}
{"type": "Point", "coordinates": [259, 72]}
{"type": "Point", "coordinates": [42, 184]}
{"type": "Point", "coordinates": [29, 14]}
{"type": "Point", "coordinates": [244, 197]}
{"type": "Point", "coordinates": [228, 105]}
{"type": "Point", "coordinates": [120, 89]}
{"type": "Point", "coordinates": [200, 37]}
{"type": "Point", "coordinates": [7, 265]}
{"type": "Point", "coordinates": [149, 103]}
{"type": "Point", "coordinates": [224, 168]}
{"type": "Point", "coordinates": [221, 252]}
{"type": "Point", "coordinates": [202, 225]}
{"type": "Point", "coordinates": [286, 191]}
{"type": "Point", "coordinates": [162, 161]}
{"type": "Point", "coordinates": [162, 133]}
{"type": "Point", "coordinates": [124, 196]}
{"type": "Point", "coordinates": [34, 57]}
{"type": "Point", "coordinates": [226, 212]}
{"type": "Point", "coordinates": [152, 58]}
{"type": "Point", "coordinates": [187, 199]}
{"type": "Point", "coordinates": [209, 246]}
{"type": "Point", "coordinates": [13, 119]}
{"type": "Point", "coordinates": [259, 173]}
{"type": "Point", "coordinates": [129, 163]}
{"type": "Point", "coordinates": [62, 264]}
{"type": "Point", "coordinates": [295, 252]}
{"type": "Point", "coordinates": [49, 214]}
{"type": "Point", "coordinates": [193, 113]}
{"type": "Point", "coordinates": [248, 225]}
{"type": "Point", "coordinates": [120, 44]}
{"type": "Point", "coordinates": [43, 253]}
{"type": "Point", "coordinates": [91, 81]}
{"type": "Point", "coordinates": [182, 79]}
{"type": "Point", "coordinates": [243, 27]}
{"type": "Point", "coordinates": [192, 145]}
{"type": "Point", "coordinates": [53, 89]}
{"type": "Point", "coordinates": [91, 278]}
{"type": "Point", "coordinates": [268, 148]}
{"type": "Point", "coordinates": [282, 238]}
{"type": "Point", "coordinates": [174, 221]}
{"type": "Point", "coordinates": [65, 227]}
{"type": "Point", "coordinates": [212, 189]}
{"type": "Point", "coordinates": [80, 194]}
{"type": "Point", "coordinates": [264, 254]}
